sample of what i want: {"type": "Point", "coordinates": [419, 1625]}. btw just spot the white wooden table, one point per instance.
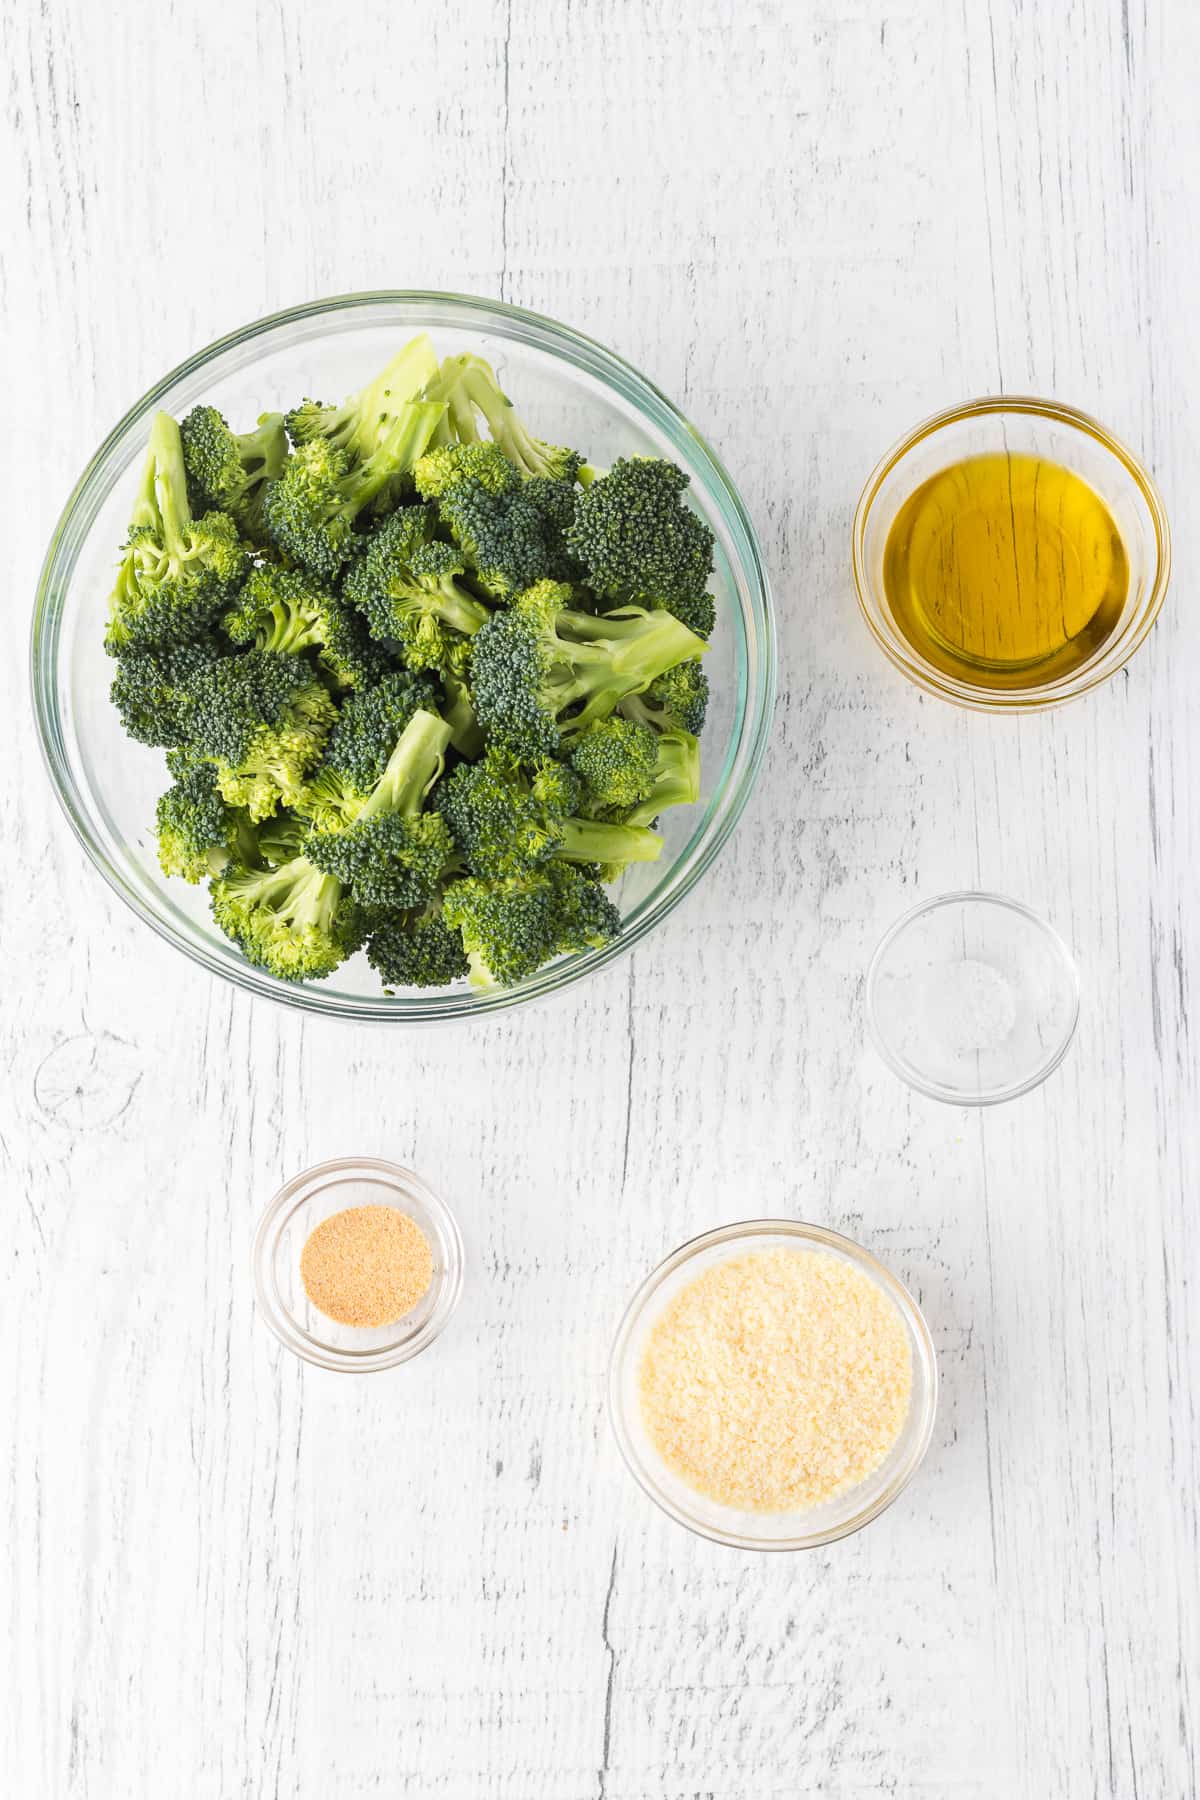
{"type": "Point", "coordinates": [229, 1575]}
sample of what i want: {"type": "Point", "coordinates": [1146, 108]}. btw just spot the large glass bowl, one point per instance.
{"type": "Point", "coordinates": [571, 390]}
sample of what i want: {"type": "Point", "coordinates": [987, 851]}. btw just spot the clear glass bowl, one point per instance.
{"type": "Point", "coordinates": [297, 1210]}
{"type": "Point", "coordinates": [573, 391]}
{"type": "Point", "coordinates": [839, 1517]}
{"type": "Point", "coordinates": [972, 999]}
{"type": "Point", "coordinates": [1037, 428]}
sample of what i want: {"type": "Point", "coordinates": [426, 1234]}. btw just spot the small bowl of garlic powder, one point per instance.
{"type": "Point", "coordinates": [772, 1386]}
{"type": "Point", "coordinates": [357, 1265]}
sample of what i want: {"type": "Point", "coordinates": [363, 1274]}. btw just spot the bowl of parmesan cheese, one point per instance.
{"type": "Point", "coordinates": [772, 1386]}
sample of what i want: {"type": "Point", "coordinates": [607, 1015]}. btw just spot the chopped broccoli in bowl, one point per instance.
{"type": "Point", "coordinates": [427, 680]}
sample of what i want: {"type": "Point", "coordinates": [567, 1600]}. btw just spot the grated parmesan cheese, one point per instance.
{"type": "Point", "coordinates": [776, 1380]}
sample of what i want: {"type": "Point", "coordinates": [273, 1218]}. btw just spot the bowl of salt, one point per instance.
{"type": "Point", "coordinates": [972, 999]}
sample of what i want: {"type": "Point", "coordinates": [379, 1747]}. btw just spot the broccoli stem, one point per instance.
{"type": "Point", "coordinates": [614, 656]}
{"type": "Point", "coordinates": [465, 732]}
{"type": "Point", "coordinates": [298, 892]}
{"type": "Point", "coordinates": [454, 608]}
{"type": "Point", "coordinates": [400, 382]}
{"type": "Point", "coordinates": [631, 640]}
{"type": "Point", "coordinates": [170, 485]}
{"type": "Point", "coordinates": [263, 451]}
{"type": "Point", "coordinates": [589, 841]}
{"type": "Point", "coordinates": [412, 768]}
{"type": "Point", "coordinates": [450, 385]}
{"type": "Point", "coordinates": [406, 438]}
{"type": "Point", "coordinates": [676, 782]}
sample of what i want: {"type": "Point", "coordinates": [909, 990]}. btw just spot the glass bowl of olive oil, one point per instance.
{"type": "Point", "coordinates": [1010, 554]}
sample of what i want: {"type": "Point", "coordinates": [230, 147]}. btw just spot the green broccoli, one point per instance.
{"type": "Point", "coordinates": [177, 572]}
{"type": "Point", "coordinates": [466, 734]}
{"type": "Point", "coordinates": [543, 673]}
{"type": "Point", "coordinates": [287, 610]}
{"type": "Point", "coordinates": [417, 574]}
{"type": "Point", "coordinates": [677, 701]}
{"type": "Point", "coordinates": [290, 919]}
{"type": "Point", "coordinates": [229, 469]}
{"type": "Point", "coordinates": [468, 385]}
{"type": "Point", "coordinates": [198, 833]}
{"type": "Point", "coordinates": [407, 587]}
{"type": "Point", "coordinates": [415, 947]}
{"type": "Point", "coordinates": [360, 424]}
{"type": "Point", "coordinates": [360, 745]}
{"type": "Point", "coordinates": [615, 760]}
{"type": "Point", "coordinates": [447, 465]}
{"type": "Point", "coordinates": [310, 512]}
{"type": "Point", "coordinates": [676, 778]}
{"type": "Point", "coordinates": [510, 928]}
{"type": "Point", "coordinates": [262, 719]}
{"type": "Point", "coordinates": [640, 544]}
{"type": "Point", "coordinates": [390, 851]}
{"type": "Point", "coordinates": [506, 820]}
{"type": "Point", "coordinates": [504, 534]}
{"type": "Point", "coordinates": [149, 690]}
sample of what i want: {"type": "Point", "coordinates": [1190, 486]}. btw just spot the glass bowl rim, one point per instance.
{"type": "Point", "coordinates": [576, 352]}
{"type": "Point", "coordinates": [277, 1317]}
{"type": "Point", "coordinates": [911, 1076]}
{"type": "Point", "coordinates": [993, 700]}
{"type": "Point", "coordinates": [743, 1233]}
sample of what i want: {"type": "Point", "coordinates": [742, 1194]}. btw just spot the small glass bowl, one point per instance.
{"type": "Point", "coordinates": [972, 999]}
{"type": "Point", "coordinates": [837, 1518]}
{"type": "Point", "coordinates": [297, 1210]}
{"type": "Point", "coordinates": [1060, 434]}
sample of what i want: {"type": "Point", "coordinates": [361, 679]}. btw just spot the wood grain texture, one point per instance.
{"type": "Point", "coordinates": [228, 1575]}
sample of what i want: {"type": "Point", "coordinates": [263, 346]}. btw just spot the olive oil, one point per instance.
{"type": "Point", "coordinates": [1005, 571]}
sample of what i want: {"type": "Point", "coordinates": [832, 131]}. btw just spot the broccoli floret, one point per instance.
{"type": "Point", "coordinates": [177, 572]}
{"type": "Point", "coordinates": [278, 609]}
{"type": "Point", "coordinates": [415, 948]}
{"type": "Point", "coordinates": [406, 586]}
{"type": "Point", "coordinates": [554, 499]}
{"type": "Point", "coordinates": [506, 537]}
{"type": "Point", "coordinates": [698, 613]}
{"type": "Point", "coordinates": [468, 385]}
{"type": "Point", "coordinates": [198, 833]}
{"type": "Point", "coordinates": [228, 469]}
{"type": "Point", "coordinates": [262, 720]}
{"type": "Point", "coordinates": [445, 466]}
{"type": "Point", "coordinates": [360, 424]}
{"type": "Point", "coordinates": [502, 538]}
{"type": "Point", "coordinates": [390, 852]}
{"type": "Point", "coordinates": [510, 928]}
{"type": "Point", "coordinates": [288, 610]}
{"type": "Point", "coordinates": [616, 761]}
{"type": "Point", "coordinates": [676, 778]}
{"type": "Point", "coordinates": [310, 511]}
{"type": "Point", "coordinates": [506, 819]}
{"type": "Point", "coordinates": [677, 701]}
{"type": "Point", "coordinates": [368, 725]}
{"type": "Point", "coordinates": [150, 691]}
{"type": "Point", "coordinates": [291, 919]}
{"type": "Point", "coordinates": [543, 673]}
{"type": "Point", "coordinates": [466, 733]}
{"type": "Point", "coordinates": [639, 543]}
